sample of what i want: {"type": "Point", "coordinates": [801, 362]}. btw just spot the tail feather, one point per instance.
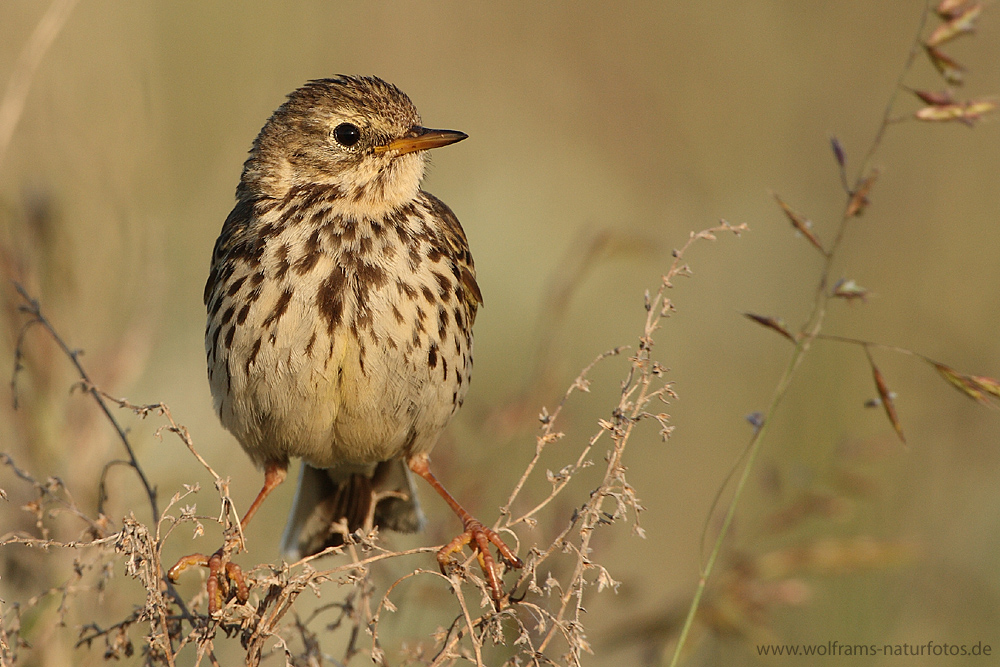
{"type": "Point", "coordinates": [327, 497]}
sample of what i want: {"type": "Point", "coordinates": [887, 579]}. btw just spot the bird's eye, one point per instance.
{"type": "Point", "coordinates": [347, 134]}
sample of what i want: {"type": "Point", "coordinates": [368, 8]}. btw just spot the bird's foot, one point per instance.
{"type": "Point", "coordinates": [225, 578]}
{"type": "Point", "coordinates": [479, 537]}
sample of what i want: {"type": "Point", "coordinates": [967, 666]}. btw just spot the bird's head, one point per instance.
{"type": "Point", "coordinates": [359, 134]}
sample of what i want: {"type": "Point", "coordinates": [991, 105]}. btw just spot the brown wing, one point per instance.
{"type": "Point", "coordinates": [232, 241]}
{"type": "Point", "coordinates": [457, 248]}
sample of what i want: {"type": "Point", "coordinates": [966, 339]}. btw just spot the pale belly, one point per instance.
{"type": "Point", "coordinates": [296, 386]}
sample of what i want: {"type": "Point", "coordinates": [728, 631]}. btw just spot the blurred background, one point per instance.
{"type": "Point", "coordinates": [601, 134]}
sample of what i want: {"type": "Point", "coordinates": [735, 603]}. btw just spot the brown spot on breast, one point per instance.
{"type": "Point", "coordinates": [414, 256]}
{"type": "Point", "coordinates": [251, 253]}
{"type": "Point", "coordinates": [310, 256]}
{"type": "Point", "coordinates": [279, 308]}
{"type": "Point", "coordinates": [442, 323]}
{"type": "Point", "coordinates": [319, 216]}
{"type": "Point", "coordinates": [444, 284]}
{"type": "Point", "coordinates": [266, 232]}
{"type": "Point", "coordinates": [281, 257]}
{"type": "Point", "coordinates": [282, 268]}
{"type": "Point", "coordinates": [406, 288]}
{"type": "Point", "coordinates": [312, 243]}
{"type": "Point", "coordinates": [241, 317]}
{"type": "Point", "coordinates": [358, 192]}
{"type": "Point", "coordinates": [432, 356]}
{"type": "Point", "coordinates": [330, 298]}
{"type": "Point", "coordinates": [407, 209]}
{"type": "Point", "coordinates": [370, 276]}
{"type": "Point", "coordinates": [348, 229]}
{"type": "Point", "coordinates": [306, 263]}
{"type": "Point", "coordinates": [309, 345]}
{"type": "Point", "coordinates": [229, 337]}
{"type": "Point", "coordinates": [398, 316]}
{"type": "Point", "coordinates": [308, 196]}
{"type": "Point", "coordinates": [235, 286]}
{"type": "Point", "coordinates": [428, 294]}
{"type": "Point", "coordinates": [228, 315]}
{"type": "Point", "coordinates": [365, 245]}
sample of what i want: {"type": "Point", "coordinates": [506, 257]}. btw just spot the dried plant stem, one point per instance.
{"type": "Point", "coordinates": [34, 311]}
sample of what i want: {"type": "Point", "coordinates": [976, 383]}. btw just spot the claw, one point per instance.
{"type": "Point", "coordinates": [479, 538]}
{"type": "Point", "coordinates": [224, 577]}
{"type": "Point", "coordinates": [476, 534]}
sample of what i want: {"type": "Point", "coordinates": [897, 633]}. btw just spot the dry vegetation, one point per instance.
{"type": "Point", "coordinates": [552, 522]}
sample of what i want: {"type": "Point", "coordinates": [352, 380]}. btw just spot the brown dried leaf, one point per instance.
{"type": "Point", "coordinates": [802, 224]}
{"type": "Point", "coordinates": [859, 198]}
{"type": "Point", "coordinates": [989, 385]}
{"type": "Point", "coordinates": [935, 98]}
{"type": "Point", "coordinates": [952, 72]}
{"type": "Point", "coordinates": [949, 9]}
{"type": "Point", "coordinates": [975, 387]}
{"type": "Point", "coordinates": [886, 395]}
{"type": "Point", "coordinates": [773, 324]}
{"type": "Point", "coordinates": [962, 22]}
{"type": "Point", "coordinates": [965, 112]}
{"type": "Point", "coordinates": [957, 380]}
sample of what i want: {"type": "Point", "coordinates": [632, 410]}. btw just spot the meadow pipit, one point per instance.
{"type": "Point", "coordinates": [340, 303]}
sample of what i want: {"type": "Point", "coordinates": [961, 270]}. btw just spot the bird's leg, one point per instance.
{"type": "Point", "coordinates": [476, 534]}
{"type": "Point", "coordinates": [222, 572]}
{"type": "Point", "coordinates": [274, 475]}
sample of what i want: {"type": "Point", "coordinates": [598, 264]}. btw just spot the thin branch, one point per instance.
{"type": "Point", "coordinates": [33, 309]}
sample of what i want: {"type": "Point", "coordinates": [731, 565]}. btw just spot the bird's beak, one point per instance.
{"type": "Point", "coordinates": [421, 139]}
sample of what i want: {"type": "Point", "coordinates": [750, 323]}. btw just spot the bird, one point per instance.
{"type": "Point", "coordinates": [341, 299]}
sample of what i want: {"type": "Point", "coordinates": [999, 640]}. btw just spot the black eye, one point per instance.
{"type": "Point", "coordinates": [347, 134]}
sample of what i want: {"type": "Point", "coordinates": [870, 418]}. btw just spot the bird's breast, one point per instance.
{"type": "Point", "coordinates": [339, 339]}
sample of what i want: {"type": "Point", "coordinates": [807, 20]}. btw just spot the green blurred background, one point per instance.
{"type": "Point", "coordinates": [646, 120]}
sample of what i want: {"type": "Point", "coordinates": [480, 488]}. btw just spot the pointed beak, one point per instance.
{"type": "Point", "coordinates": [421, 139]}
